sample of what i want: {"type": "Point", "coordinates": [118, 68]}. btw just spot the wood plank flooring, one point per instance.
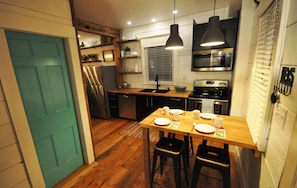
{"type": "Point", "coordinates": [119, 163]}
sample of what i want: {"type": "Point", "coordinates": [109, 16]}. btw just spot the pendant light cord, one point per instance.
{"type": "Point", "coordinates": [214, 8]}
{"type": "Point", "coordinates": [174, 12]}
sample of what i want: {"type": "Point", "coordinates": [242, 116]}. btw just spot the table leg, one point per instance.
{"type": "Point", "coordinates": [146, 153]}
{"type": "Point", "coordinates": [186, 140]}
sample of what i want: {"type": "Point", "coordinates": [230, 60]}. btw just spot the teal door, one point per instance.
{"type": "Point", "coordinates": [41, 71]}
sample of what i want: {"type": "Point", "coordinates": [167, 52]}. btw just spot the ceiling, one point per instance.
{"type": "Point", "coordinates": [116, 13]}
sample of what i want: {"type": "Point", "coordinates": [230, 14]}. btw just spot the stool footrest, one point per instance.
{"type": "Point", "coordinates": [212, 157]}
{"type": "Point", "coordinates": [175, 149]}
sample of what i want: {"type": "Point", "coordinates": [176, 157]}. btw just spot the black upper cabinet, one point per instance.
{"type": "Point", "coordinates": [229, 27]}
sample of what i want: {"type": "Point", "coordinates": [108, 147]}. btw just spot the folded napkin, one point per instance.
{"type": "Point", "coordinates": [207, 106]}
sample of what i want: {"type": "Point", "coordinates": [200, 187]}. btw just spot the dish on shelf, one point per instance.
{"type": "Point", "coordinates": [207, 115]}
{"type": "Point", "coordinates": [204, 128]}
{"type": "Point", "coordinates": [179, 111]}
{"type": "Point", "coordinates": [162, 121]}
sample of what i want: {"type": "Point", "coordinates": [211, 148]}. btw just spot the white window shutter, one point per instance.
{"type": "Point", "coordinates": [261, 78]}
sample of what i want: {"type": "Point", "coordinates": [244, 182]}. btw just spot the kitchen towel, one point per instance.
{"type": "Point", "coordinates": [207, 105]}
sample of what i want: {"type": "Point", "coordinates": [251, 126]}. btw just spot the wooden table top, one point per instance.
{"type": "Point", "coordinates": [236, 128]}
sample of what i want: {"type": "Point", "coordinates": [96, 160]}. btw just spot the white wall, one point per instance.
{"type": "Point", "coordinates": [11, 162]}
{"type": "Point", "coordinates": [267, 171]}
{"type": "Point", "coordinates": [284, 114]}
{"type": "Point", "coordinates": [183, 74]}
{"type": "Point", "coordinates": [40, 17]}
{"type": "Point", "coordinates": [243, 63]}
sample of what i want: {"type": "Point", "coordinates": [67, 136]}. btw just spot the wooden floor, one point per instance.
{"type": "Point", "coordinates": [119, 162]}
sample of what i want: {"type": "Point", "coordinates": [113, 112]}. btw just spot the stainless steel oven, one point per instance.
{"type": "Point", "coordinates": [219, 106]}
{"type": "Point", "coordinates": [216, 91]}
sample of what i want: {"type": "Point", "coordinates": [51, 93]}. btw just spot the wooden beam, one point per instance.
{"type": "Point", "coordinates": [90, 27]}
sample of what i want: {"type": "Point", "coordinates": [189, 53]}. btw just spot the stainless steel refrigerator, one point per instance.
{"type": "Point", "coordinates": [99, 79]}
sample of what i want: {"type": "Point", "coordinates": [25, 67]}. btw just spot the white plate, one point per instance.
{"type": "Point", "coordinates": [207, 115]}
{"type": "Point", "coordinates": [172, 111]}
{"type": "Point", "coordinates": [204, 128]}
{"type": "Point", "coordinates": [162, 121]}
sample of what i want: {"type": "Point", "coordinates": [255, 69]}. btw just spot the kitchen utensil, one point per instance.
{"type": "Point", "coordinates": [180, 88]}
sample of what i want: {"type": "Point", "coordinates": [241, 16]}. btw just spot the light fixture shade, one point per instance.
{"type": "Point", "coordinates": [174, 41]}
{"type": "Point", "coordinates": [213, 36]}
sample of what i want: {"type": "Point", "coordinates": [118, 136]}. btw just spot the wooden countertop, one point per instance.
{"type": "Point", "coordinates": [137, 91]}
{"type": "Point", "coordinates": [237, 130]}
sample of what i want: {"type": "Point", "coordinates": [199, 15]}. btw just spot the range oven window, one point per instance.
{"type": "Point", "coordinates": [219, 106]}
{"type": "Point", "coordinates": [212, 60]}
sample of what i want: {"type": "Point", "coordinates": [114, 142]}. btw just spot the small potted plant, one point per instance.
{"type": "Point", "coordinates": [127, 50]}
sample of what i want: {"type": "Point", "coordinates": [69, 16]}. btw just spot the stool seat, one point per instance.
{"type": "Point", "coordinates": [212, 157]}
{"type": "Point", "coordinates": [172, 148]}
{"type": "Point", "coordinates": [169, 145]}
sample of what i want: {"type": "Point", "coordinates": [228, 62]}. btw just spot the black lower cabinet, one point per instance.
{"type": "Point", "coordinates": [113, 105]}
{"type": "Point", "coordinates": [147, 104]}
{"type": "Point", "coordinates": [171, 102]}
{"type": "Point", "coordinates": [144, 106]}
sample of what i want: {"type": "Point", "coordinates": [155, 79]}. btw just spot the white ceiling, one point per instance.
{"type": "Point", "coordinates": [116, 13]}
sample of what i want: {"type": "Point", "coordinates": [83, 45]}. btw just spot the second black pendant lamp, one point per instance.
{"type": "Point", "coordinates": [213, 36]}
{"type": "Point", "coordinates": [174, 41]}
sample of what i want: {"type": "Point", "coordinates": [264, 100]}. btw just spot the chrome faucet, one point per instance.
{"type": "Point", "coordinates": [157, 84]}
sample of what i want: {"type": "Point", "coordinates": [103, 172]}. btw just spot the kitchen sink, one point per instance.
{"type": "Point", "coordinates": [155, 91]}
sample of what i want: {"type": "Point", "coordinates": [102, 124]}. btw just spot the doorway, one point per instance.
{"type": "Point", "coordinates": [41, 70]}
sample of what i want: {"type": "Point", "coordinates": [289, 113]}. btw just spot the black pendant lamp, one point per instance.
{"type": "Point", "coordinates": [174, 41]}
{"type": "Point", "coordinates": [214, 35]}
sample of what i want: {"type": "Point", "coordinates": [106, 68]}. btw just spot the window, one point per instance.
{"type": "Point", "coordinates": [259, 95]}
{"type": "Point", "coordinates": [159, 61]}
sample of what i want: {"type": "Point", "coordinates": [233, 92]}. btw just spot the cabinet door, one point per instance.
{"type": "Point", "coordinates": [172, 102]}
{"type": "Point", "coordinates": [143, 106]}
{"type": "Point", "coordinates": [229, 27]}
{"type": "Point", "coordinates": [113, 105]}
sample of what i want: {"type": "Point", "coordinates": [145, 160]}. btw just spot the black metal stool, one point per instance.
{"type": "Point", "coordinates": [212, 157]}
{"type": "Point", "coordinates": [188, 145]}
{"type": "Point", "coordinates": [175, 149]}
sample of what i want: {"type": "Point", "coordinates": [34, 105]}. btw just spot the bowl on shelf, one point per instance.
{"type": "Point", "coordinates": [180, 88]}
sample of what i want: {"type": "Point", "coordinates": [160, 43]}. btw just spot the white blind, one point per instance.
{"type": "Point", "coordinates": [259, 96]}
{"type": "Point", "coordinates": [159, 61]}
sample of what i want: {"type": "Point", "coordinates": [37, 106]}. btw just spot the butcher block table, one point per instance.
{"type": "Point", "coordinates": [237, 132]}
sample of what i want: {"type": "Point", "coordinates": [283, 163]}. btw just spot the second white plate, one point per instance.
{"type": "Point", "coordinates": [207, 115]}
{"type": "Point", "coordinates": [204, 128]}
{"type": "Point", "coordinates": [162, 121]}
{"type": "Point", "coordinates": [179, 111]}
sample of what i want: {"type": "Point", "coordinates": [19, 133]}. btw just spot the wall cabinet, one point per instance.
{"type": "Point", "coordinates": [229, 27]}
